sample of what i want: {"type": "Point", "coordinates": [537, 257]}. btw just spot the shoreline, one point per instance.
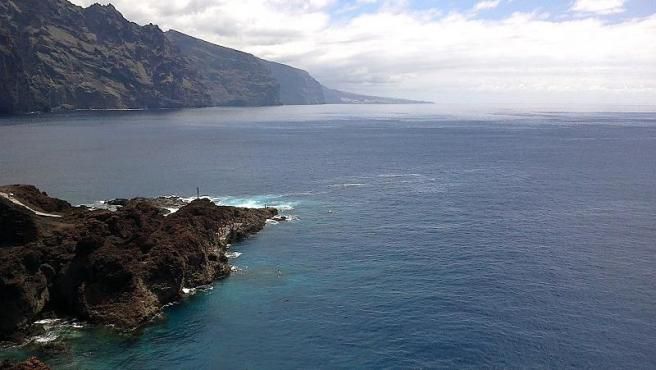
{"type": "Point", "coordinates": [115, 268]}
{"type": "Point", "coordinates": [100, 110]}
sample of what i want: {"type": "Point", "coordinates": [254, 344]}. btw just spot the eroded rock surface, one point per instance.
{"type": "Point", "coordinates": [109, 267]}
{"type": "Point", "coordinates": [29, 364]}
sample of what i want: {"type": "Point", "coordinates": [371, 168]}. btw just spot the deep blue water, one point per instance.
{"type": "Point", "coordinates": [424, 240]}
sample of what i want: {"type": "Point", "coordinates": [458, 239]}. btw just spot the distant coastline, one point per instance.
{"type": "Point", "coordinates": [164, 109]}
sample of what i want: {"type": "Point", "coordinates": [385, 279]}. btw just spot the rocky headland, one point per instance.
{"type": "Point", "coordinates": [108, 267]}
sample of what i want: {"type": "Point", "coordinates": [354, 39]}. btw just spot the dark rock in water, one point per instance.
{"type": "Point", "coordinates": [165, 203]}
{"type": "Point", "coordinates": [29, 364]}
{"type": "Point", "coordinates": [110, 267]}
{"type": "Point", "coordinates": [117, 202]}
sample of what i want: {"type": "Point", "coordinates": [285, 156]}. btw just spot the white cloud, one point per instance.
{"type": "Point", "coordinates": [599, 6]}
{"type": "Point", "coordinates": [484, 5]}
{"type": "Point", "coordinates": [398, 51]}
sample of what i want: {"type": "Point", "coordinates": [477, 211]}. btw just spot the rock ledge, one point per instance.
{"type": "Point", "coordinates": [115, 268]}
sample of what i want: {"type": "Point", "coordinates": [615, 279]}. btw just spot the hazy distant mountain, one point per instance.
{"type": "Point", "coordinates": [297, 87]}
{"type": "Point", "coordinates": [57, 56]}
{"type": "Point", "coordinates": [229, 69]}
{"type": "Point", "coordinates": [342, 97]}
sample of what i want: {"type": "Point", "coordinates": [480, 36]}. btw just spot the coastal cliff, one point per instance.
{"type": "Point", "coordinates": [231, 77]}
{"type": "Point", "coordinates": [297, 87]}
{"type": "Point", "coordinates": [57, 56]}
{"type": "Point", "coordinates": [108, 267]}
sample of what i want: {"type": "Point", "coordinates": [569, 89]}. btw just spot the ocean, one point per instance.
{"type": "Point", "coordinates": [419, 238]}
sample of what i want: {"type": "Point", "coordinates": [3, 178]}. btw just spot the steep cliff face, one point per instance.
{"type": "Point", "coordinates": [237, 78]}
{"type": "Point", "coordinates": [13, 77]}
{"type": "Point", "coordinates": [232, 77]}
{"type": "Point", "coordinates": [56, 55]}
{"type": "Point", "coordinates": [297, 87]}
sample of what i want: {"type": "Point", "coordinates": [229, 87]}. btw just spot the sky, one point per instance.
{"type": "Point", "coordinates": [557, 52]}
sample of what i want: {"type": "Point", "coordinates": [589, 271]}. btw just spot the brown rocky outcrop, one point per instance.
{"type": "Point", "coordinates": [29, 364]}
{"type": "Point", "coordinates": [109, 267]}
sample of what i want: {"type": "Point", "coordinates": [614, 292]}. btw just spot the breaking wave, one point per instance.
{"type": "Point", "coordinates": [258, 201]}
{"type": "Point", "coordinates": [55, 329]}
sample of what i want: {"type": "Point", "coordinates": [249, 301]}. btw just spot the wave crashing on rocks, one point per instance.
{"type": "Point", "coordinates": [116, 266]}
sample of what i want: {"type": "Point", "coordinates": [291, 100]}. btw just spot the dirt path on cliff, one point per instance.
{"type": "Point", "coordinates": [17, 202]}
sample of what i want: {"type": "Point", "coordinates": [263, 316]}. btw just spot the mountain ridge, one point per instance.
{"type": "Point", "coordinates": [55, 56]}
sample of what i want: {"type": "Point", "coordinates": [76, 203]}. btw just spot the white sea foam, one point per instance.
{"type": "Point", "coordinates": [303, 193]}
{"type": "Point", "coordinates": [347, 185]}
{"type": "Point", "coordinates": [233, 254]}
{"type": "Point", "coordinates": [48, 321]}
{"type": "Point", "coordinates": [55, 329]}
{"type": "Point", "coordinates": [235, 268]}
{"type": "Point", "coordinates": [191, 199]}
{"type": "Point", "coordinates": [400, 175]}
{"type": "Point", "coordinates": [46, 338]}
{"type": "Point", "coordinates": [258, 201]}
{"type": "Point", "coordinates": [171, 210]}
{"type": "Point", "coordinates": [198, 289]}
{"type": "Point", "coordinates": [101, 204]}
{"type": "Point", "coordinates": [282, 218]}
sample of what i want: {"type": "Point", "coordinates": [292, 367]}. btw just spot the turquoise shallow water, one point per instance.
{"type": "Point", "coordinates": [423, 240]}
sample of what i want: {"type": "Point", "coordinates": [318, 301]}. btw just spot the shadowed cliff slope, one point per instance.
{"type": "Point", "coordinates": [297, 87]}
{"type": "Point", "coordinates": [231, 77]}
{"type": "Point", "coordinates": [55, 55]}
{"type": "Point", "coordinates": [232, 70]}
{"type": "Point", "coordinates": [58, 56]}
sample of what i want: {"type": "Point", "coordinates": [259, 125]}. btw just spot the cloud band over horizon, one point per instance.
{"type": "Point", "coordinates": [489, 51]}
